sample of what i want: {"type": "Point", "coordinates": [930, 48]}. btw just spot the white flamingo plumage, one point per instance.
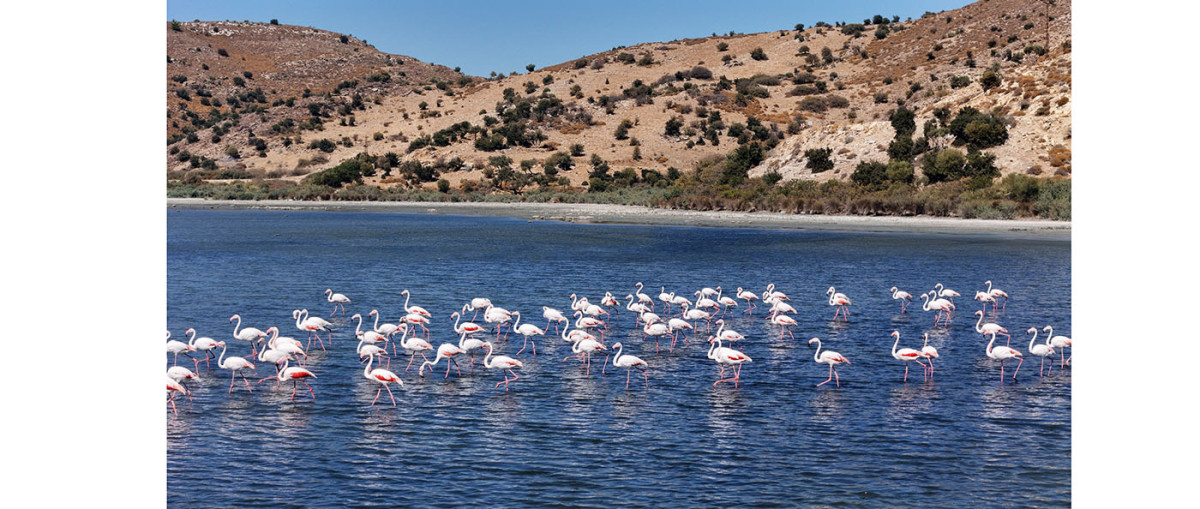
{"type": "Point", "coordinates": [553, 316]}
{"type": "Point", "coordinates": [840, 301]}
{"type": "Point", "coordinates": [656, 330]}
{"type": "Point", "coordinates": [235, 365]}
{"type": "Point", "coordinates": [386, 329]}
{"type": "Point", "coordinates": [413, 309]}
{"type": "Point", "coordinates": [501, 362]}
{"type": "Point", "coordinates": [445, 351]}
{"type": "Point", "coordinates": [174, 387]}
{"type": "Point", "coordinates": [382, 377]}
{"type": "Point", "coordinates": [528, 330]}
{"type": "Point", "coordinates": [726, 357]}
{"type": "Point", "coordinates": [786, 322]}
{"type": "Point", "coordinates": [902, 296]}
{"type": "Point", "coordinates": [248, 334]}
{"type": "Point", "coordinates": [296, 375]}
{"type": "Point", "coordinates": [749, 297]}
{"type": "Point", "coordinates": [1003, 353]}
{"type": "Point", "coordinates": [338, 300]}
{"type": "Point", "coordinates": [929, 353]}
{"type": "Point", "coordinates": [831, 358]}
{"type": "Point", "coordinates": [906, 355]}
{"type": "Point", "coordinates": [622, 360]}
{"type": "Point", "coordinates": [476, 304]}
{"type": "Point", "coordinates": [465, 327]}
{"type": "Point", "coordinates": [414, 346]}
{"type": "Point", "coordinates": [584, 349]}
{"type": "Point", "coordinates": [997, 293]}
{"type": "Point", "coordinates": [642, 298]}
{"type": "Point", "coordinates": [939, 305]}
{"type": "Point", "coordinates": [204, 344]}
{"type": "Point", "coordinates": [1040, 350]}
{"type": "Point", "coordinates": [314, 326]}
{"type": "Point", "coordinates": [179, 347]}
{"type": "Point", "coordinates": [1059, 343]}
{"type": "Point", "coordinates": [989, 328]}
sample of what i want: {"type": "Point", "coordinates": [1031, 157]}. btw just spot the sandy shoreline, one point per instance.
{"type": "Point", "coordinates": [624, 214]}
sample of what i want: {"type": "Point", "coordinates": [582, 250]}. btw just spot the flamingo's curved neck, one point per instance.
{"type": "Point", "coordinates": [237, 325]}
{"type": "Point", "coordinates": [990, 343]}
{"type": "Point", "coordinates": [191, 341]}
{"type": "Point", "coordinates": [979, 324]}
{"type": "Point", "coordinates": [896, 344]}
{"type": "Point", "coordinates": [618, 354]}
{"type": "Point", "coordinates": [518, 322]}
{"type": "Point", "coordinates": [1049, 332]}
{"type": "Point", "coordinates": [376, 325]}
{"type": "Point", "coordinates": [458, 317]}
{"type": "Point", "coordinates": [1034, 339]}
{"type": "Point", "coordinates": [817, 354]}
{"type": "Point", "coordinates": [283, 369]}
{"type": "Point", "coordinates": [358, 328]}
{"type": "Point", "coordinates": [989, 288]}
{"type": "Point", "coordinates": [367, 370]}
{"type": "Point", "coordinates": [406, 297]}
{"type": "Point", "coordinates": [221, 359]}
{"type": "Point", "coordinates": [487, 359]}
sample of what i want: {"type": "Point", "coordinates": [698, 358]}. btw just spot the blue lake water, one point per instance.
{"type": "Point", "coordinates": [563, 438]}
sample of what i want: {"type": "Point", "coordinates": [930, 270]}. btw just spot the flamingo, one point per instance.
{"type": "Point", "coordinates": [584, 350]}
{"type": "Point", "coordinates": [286, 345]}
{"type": "Point", "coordinates": [929, 353]}
{"type": "Point", "coordinates": [985, 298]}
{"type": "Point", "coordinates": [996, 293]}
{"type": "Point", "coordinates": [608, 301]}
{"type": "Point", "coordinates": [679, 300]}
{"type": "Point", "coordinates": [780, 307]}
{"type": "Point", "coordinates": [666, 297]}
{"type": "Point", "coordinates": [497, 315]}
{"type": "Point", "coordinates": [382, 377]}
{"type": "Point", "coordinates": [1059, 342]}
{"type": "Point", "coordinates": [723, 356]}
{"type": "Point", "coordinates": [774, 295]}
{"type": "Point", "coordinates": [313, 325]}
{"type": "Point", "coordinates": [367, 350]}
{"type": "Point", "coordinates": [386, 329]}
{"type": "Point", "coordinates": [179, 347]}
{"type": "Point", "coordinates": [709, 292]}
{"type": "Point", "coordinates": [695, 315]}
{"type": "Point", "coordinates": [989, 328]}
{"type": "Point", "coordinates": [445, 351]}
{"type": "Point", "coordinates": [831, 358]}
{"type": "Point", "coordinates": [945, 292]}
{"type": "Point", "coordinates": [729, 335]}
{"type": "Point", "coordinates": [338, 300]}
{"type": "Point", "coordinates": [476, 304]}
{"type": "Point", "coordinates": [902, 296]}
{"type": "Point", "coordinates": [502, 362]}
{"type": "Point", "coordinates": [785, 322]}
{"type": "Point", "coordinates": [678, 324]}
{"type": "Point", "coordinates": [372, 336]}
{"type": "Point", "coordinates": [414, 309]}
{"type": "Point", "coordinates": [276, 358]}
{"type": "Point", "coordinates": [840, 301]}
{"type": "Point", "coordinates": [657, 330]}
{"type": "Point", "coordinates": [628, 362]}
{"type": "Point", "coordinates": [554, 316]}
{"type": "Point", "coordinates": [906, 355]}
{"type": "Point", "coordinates": [704, 302]}
{"type": "Point", "coordinates": [641, 297]}
{"type": "Point", "coordinates": [466, 328]}
{"type": "Point", "coordinates": [1043, 350]}
{"type": "Point", "coordinates": [204, 344]}
{"type": "Point", "coordinates": [180, 373]}
{"type": "Point", "coordinates": [296, 374]}
{"type": "Point", "coordinates": [413, 346]}
{"type": "Point", "coordinates": [636, 307]}
{"type": "Point", "coordinates": [249, 334]}
{"type": "Point", "coordinates": [469, 345]}
{"type": "Point", "coordinates": [1003, 353]}
{"type": "Point", "coordinates": [725, 301]}
{"type": "Point", "coordinates": [649, 317]}
{"type": "Point", "coordinates": [939, 305]}
{"type": "Point", "coordinates": [749, 297]}
{"type": "Point", "coordinates": [418, 320]}
{"type": "Point", "coordinates": [235, 365]}
{"type": "Point", "coordinates": [527, 330]}
{"type": "Point", "coordinates": [587, 322]}
{"type": "Point", "coordinates": [172, 388]}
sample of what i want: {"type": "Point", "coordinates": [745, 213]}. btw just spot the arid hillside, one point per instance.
{"type": "Point", "coordinates": [276, 103]}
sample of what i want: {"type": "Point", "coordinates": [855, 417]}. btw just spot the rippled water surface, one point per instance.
{"type": "Point", "coordinates": [560, 437]}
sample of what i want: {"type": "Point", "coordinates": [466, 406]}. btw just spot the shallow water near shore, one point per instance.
{"type": "Point", "coordinates": [563, 437]}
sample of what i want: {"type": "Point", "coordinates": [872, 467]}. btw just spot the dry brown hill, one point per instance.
{"type": "Point", "coordinates": [830, 86]}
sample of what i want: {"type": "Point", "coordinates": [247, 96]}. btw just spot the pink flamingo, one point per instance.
{"type": "Point", "coordinates": [929, 353]}
{"type": "Point", "coordinates": [476, 304]}
{"type": "Point", "coordinates": [314, 326]}
{"type": "Point", "coordinates": [726, 356]}
{"type": "Point", "coordinates": [831, 358]}
{"type": "Point", "coordinates": [641, 297]}
{"type": "Point", "coordinates": [527, 330]}
{"type": "Point", "coordinates": [945, 292]}
{"type": "Point", "coordinates": [939, 305]}
{"type": "Point", "coordinates": [235, 365]}
{"type": "Point", "coordinates": [179, 347]}
{"type": "Point", "coordinates": [368, 350]}
{"type": "Point", "coordinates": [469, 346]}
{"type": "Point", "coordinates": [248, 334]}
{"type": "Point", "coordinates": [414, 346]}
{"type": "Point", "coordinates": [786, 322]}
{"type": "Point", "coordinates": [906, 354]}
{"type": "Point", "coordinates": [725, 301]}
{"type": "Point", "coordinates": [984, 298]}
{"type": "Point", "coordinates": [501, 362]}
{"type": "Point", "coordinates": [628, 362]}
{"type": "Point", "coordinates": [989, 328]}
{"type": "Point", "coordinates": [386, 329]}
{"type": "Point", "coordinates": [382, 377]}
{"type": "Point", "coordinates": [1043, 350]}
{"type": "Point", "coordinates": [553, 316]}
{"type": "Point", "coordinates": [465, 328]}
{"type": "Point", "coordinates": [657, 330]}
{"type": "Point", "coordinates": [749, 297]}
{"type": "Point", "coordinates": [674, 325]}
{"type": "Point", "coordinates": [445, 351]}
{"type": "Point", "coordinates": [296, 374]}
{"type": "Point", "coordinates": [1058, 342]}
{"type": "Point", "coordinates": [584, 350]}
{"type": "Point", "coordinates": [997, 293]}
{"type": "Point", "coordinates": [730, 335]}
{"type": "Point", "coordinates": [840, 301]}
{"type": "Point", "coordinates": [338, 300]}
{"type": "Point", "coordinates": [204, 344]}
{"type": "Point", "coordinates": [417, 319]}
{"type": "Point", "coordinates": [902, 296]}
{"type": "Point", "coordinates": [1003, 353]}
{"type": "Point", "coordinates": [608, 301]}
{"type": "Point", "coordinates": [369, 336]}
{"type": "Point", "coordinates": [414, 309]}
{"type": "Point", "coordinates": [174, 387]}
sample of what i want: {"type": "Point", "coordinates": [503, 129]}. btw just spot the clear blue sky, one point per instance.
{"type": "Point", "coordinates": [485, 36]}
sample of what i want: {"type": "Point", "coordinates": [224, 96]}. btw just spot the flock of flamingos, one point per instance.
{"type": "Point", "coordinates": [587, 338]}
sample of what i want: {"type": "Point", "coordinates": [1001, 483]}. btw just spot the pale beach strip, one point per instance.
{"type": "Point", "coordinates": [636, 215]}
